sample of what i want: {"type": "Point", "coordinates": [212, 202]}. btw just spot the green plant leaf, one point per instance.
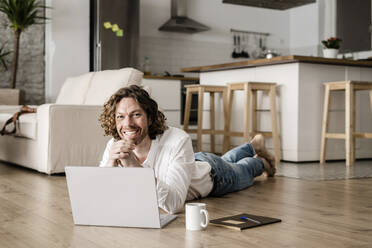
{"type": "Point", "coordinates": [23, 13]}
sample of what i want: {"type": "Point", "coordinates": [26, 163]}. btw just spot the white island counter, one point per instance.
{"type": "Point", "coordinates": [300, 101]}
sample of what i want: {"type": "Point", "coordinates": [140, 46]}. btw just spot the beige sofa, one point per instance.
{"type": "Point", "coordinates": [67, 132]}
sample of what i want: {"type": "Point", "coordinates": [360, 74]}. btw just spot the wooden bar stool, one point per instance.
{"type": "Point", "coordinates": [349, 87]}
{"type": "Point", "coordinates": [200, 90]}
{"type": "Point", "coordinates": [250, 91]}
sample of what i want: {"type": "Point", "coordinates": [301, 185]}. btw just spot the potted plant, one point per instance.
{"type": "Point", "coordinates": [21, 15]}
{"type": "Point", "coordinates": [331, 47]}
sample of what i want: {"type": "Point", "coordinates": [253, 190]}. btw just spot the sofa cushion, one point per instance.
{"type": "Point", "coordinates": [27, 124]}
{"type": "Point", "coordinates": [106, 83]}
{"type": "Point", "coordinates": [74, 89]}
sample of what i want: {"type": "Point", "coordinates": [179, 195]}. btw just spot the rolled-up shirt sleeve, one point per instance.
{"type": "Point", "coordinates": [172, 187]}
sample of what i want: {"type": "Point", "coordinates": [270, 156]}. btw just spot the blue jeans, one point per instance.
{"type": "Point", "coordinates": [234, 171]}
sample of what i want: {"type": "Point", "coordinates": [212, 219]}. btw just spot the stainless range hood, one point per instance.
{"type": "Point", "coordinates": [179, 22]}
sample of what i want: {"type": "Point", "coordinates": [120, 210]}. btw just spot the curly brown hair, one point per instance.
{"type": "Point", "coordinates": [155, 116]}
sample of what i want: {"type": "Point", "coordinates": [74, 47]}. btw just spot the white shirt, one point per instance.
{"type": "Point", "coordinates": [179, 176]}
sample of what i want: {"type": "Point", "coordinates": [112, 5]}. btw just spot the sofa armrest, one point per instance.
{"type": "Point", "coordinates": [69, 135]}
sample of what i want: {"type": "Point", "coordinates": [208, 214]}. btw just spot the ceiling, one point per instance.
{"type": "Point", "coordinates": [271, 4]}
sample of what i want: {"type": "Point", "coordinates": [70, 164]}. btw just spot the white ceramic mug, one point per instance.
{"type": "Point", "coordinates": [197, 217]}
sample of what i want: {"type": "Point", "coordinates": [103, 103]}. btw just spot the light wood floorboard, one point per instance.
{"type": "Point", "coordinates": [35, 212]}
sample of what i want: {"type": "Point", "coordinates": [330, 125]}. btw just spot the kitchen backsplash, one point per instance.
{"type": "Point", "coordinates": [170, 54]}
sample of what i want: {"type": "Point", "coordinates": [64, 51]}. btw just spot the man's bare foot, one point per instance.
{"type": "Point", "coordinates": [269, 168]}
{"type": "Point", "coordinates": [258, 143]}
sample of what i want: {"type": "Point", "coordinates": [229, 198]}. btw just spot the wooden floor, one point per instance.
{"type": "Point", "coordinates": [35, 212]}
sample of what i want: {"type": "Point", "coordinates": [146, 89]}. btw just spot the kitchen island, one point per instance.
{"type": "Point", "coordinates": [300, 101]}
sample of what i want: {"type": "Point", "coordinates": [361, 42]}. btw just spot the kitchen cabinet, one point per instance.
{"type": "Point", "coordinates": [167, 93]}
{"type": "Point", "coordinates": [353, 25]}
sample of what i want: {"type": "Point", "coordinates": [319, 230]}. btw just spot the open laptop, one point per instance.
{"type": "Point", "coordinates": [115, 196]}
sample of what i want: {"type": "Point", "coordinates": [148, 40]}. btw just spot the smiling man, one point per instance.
{"type": "Point", "coordinates": [142, 139]}
{"type": "Point", "coordinates": [132, 127]}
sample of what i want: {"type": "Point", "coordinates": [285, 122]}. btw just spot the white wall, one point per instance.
{"type": "Point", "coordinates": [218, 16]}
{"type": "Point", "coordinates": [66, 43]}
{"type": "Point", "coordinates": [303, 26]}
{"type": "Point", "coordinates": [172, 51]}
{"type": "Point", "coordinates": [309, 25]}
{"type": "Point", "coordinates": [297, 30]}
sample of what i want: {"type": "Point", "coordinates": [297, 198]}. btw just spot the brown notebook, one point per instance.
{"type": "Point", "coordinates": [244, 221]}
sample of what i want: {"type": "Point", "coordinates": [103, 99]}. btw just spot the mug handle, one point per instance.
{"type": "Point", "coordinates": [205, 212]}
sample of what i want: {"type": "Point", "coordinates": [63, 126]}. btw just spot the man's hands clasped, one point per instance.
{"type": "Point", "coordinates": [122, 154]}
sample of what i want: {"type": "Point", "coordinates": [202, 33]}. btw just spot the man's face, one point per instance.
{"type": "Point", "coordinates": [131, 120]}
